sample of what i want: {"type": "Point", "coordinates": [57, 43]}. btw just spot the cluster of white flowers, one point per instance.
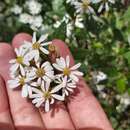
{"type": "Point", "coordinates": [41, 79]}
{"type": "Point", "coordinates": [98, 76]}
{"type": "Point", "coordinates": [70, 23]}
{"type": "Point", "coordinates": [86, 6]}
{"type": "Point", "coordinates": [32, 16]}
{"type": "Point", "coordinates": [124, 100]}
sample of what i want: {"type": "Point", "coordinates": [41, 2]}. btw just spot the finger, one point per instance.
{"type": "Point", "coordinates": [23, 112]}
{"type": "Point", "coordinates": [6, 122]}
{"type": "Point", "coordinates": [57, 118]}
{"type": "Point", "coordinates": [84, 109]}
{"type": "Point", "coordinates": [61, 117]}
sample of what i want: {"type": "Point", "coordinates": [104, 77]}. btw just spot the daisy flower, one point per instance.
{"type": "Point", "coordinates": [19, 62]}
{"type": "Point", "coordinates": [42, 72]}
{"type": "Point", "coordinates": [37, 47]}
{"type": "Point", "coordinates": [63, 65]}
{"type": "Point", "coordinates": [68, 85]}
{"type": "Point", "coordinates": [104, 4]}
{"type": "Point", "coordinates": [23, 82]}
{"type": "Point", "coordinates": [46, 96]}
{"type": "Point", "coordinates": [84, 7]}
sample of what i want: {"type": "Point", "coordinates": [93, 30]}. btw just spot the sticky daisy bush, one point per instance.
{"type": "Point", "coordinates": [40, 79]}
{"type": "Point", "coordinates": [98, 35]}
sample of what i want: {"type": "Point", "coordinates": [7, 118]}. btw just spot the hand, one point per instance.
{"type": "Point", "coordinates": [82, 112]}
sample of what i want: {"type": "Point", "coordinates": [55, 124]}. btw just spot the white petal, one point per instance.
{"type": "Point", "coordinates": [45, 51]}
{"type": "Point", "coordinates": [14, 67]}
{"type": "Point", "coordinates": [29, 56]}
{"type": "Point", "coordinates": [67, 61]}
{"type": "Point", "coordinates": [34, 37]}
{"type": "Point", "coordinates": [37, 91]}
{"type": "Point", "coordinates": [106, 6]}
{"type": "Point", "coordinates": [57, 67]}
{"type": "Point", "coordinates": [46, 43]}
{"type": "Point", "coordinates": [75, 66]}
{"type": "Point", "coordinates": [56, 88]}
{"type": "Point", "coordinates": [34, 84]}
{"type": "Point", "coordinates": [35, 96]}
{"type": "Point", "coordinates": [45, 64]}
{"type": "Point", "coordinates": [36, 55]}
{"type": "Point", "coordinates": [24, 91]}
{"type": "Point", "coordinates": [100, 8]}
{"type": "Point", "coordinates": [72, 86]}
{"type": "Point", "coordinates": [112, 1]}
{"type": "Point", "coordinates": [58, 97]}
{"type": "Point", "coordinates": [46, 79]}
{"type": "Point", "coordinates": [39, 81]}
{"type": "Point", "coordinates": [43, 38]}
{"type": "Point", "coordinates": [29, 90]}
{"type": "Point", "coordinates": [66, 93]}
{"type": "Point", "coordinates": [39, 103]}
{"type": "Point", "coordinates": [73, 77]}
{"type": "Point", "coordinates": [13, 83]}
{"type": "Point", "coordinates": [47, 86]}
{"type": "Point", "coordinates": [63, 62]}
{"type": "Point", "coordinates": [43, 86]}
{"type": "Point", "coordinates": [47, 106]}
{"type": "Point", "coordinates": [26, 62]}
{"type": "Point", "coordinates": [36, 100]}
{"type": "Point", "coordinates": [52, 101]}
{"type": "Point", "coordinates": [12, 61]}
{"type": "Point", "coordinates": [17, 52]}
{"type": "Point", "coordinates": [22, 70]}
{"type": "Point", "coordinates": [91, 10]}
{"type": "Point", "coordinates": [76, 72]}
{"type": "Point", "coordinates": [69, 89]}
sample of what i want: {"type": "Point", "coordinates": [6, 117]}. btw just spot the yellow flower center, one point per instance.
{"type": "Point", "coordinates": [19, 59]}
{"type": "Point", "coordinates": [22, 81]}
{"type": "Point", "coordinates": [51, 48]}
{"type": "Point", "coordinates": [36, 45]}
{"type": "Point", "coordinates": [47, 95]}
{"type": "Point", "coordinates": [66, 71]}
{"type": "Point", "coordinates": [85, 4]}
{"type": "Point", "coordinates": [40, 72]}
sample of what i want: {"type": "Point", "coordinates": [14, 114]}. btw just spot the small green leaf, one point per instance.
{"type": "Point", "coordinates": [121, 85]}
{"type": "Point", "coordinates": [127, 56]}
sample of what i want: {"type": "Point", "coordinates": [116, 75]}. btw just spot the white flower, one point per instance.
{"type": "Point", "coordinates": [84, 7]}
{"type": "Point", "coordinates": [37, 47]}
{"type": "Point", "coordinates": [16, 9]}
{"type": "Point", "coordinates": [42, 72]}
{"type": "Point", "coordinates": [34, 7]}
{"type": "Point", "coordinates": [25, 18]}
{"type": "Point", "coordinates": [19, 62]}
{"type": "Point", "coordinates": [104, 4]}
{"type": "Point", "coordinates": [68, 85]}
{"type": "Point", "coordinates": [69, 29]}
{"type": "Point", "coordinates": [79, 21]}
{"type": "Point", "coordinates": [98, 76]}
{"type": "Point", "coordinates": [63, 65]}
{"type": "Point", "coordinates": [36, 22]}
{"type": "Point", "coordinates": [23, 82]}
{"type": "Point", "coordinates": [125, 99]}
{"type": "Point", "coordinates": [46, 95]}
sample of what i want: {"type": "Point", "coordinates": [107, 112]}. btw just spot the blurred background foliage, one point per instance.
{"type": "Point", "coordinates": [100, 41]}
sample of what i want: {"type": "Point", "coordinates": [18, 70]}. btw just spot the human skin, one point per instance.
{"type": "Point", "coordinates": [81, 112]}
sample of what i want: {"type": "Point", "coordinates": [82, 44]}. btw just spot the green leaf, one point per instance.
{"type": "Point", "coordinates": [121, 85]}
{"type": "Point", "coordinates": [79, 53]}
{"type": "Point", "coordinates": [127, 15]}
{"type": "Point", "coordinates": [127, 56]}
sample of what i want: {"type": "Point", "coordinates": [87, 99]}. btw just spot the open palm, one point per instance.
{"type": "Point", "coordinates": [81, 112]}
